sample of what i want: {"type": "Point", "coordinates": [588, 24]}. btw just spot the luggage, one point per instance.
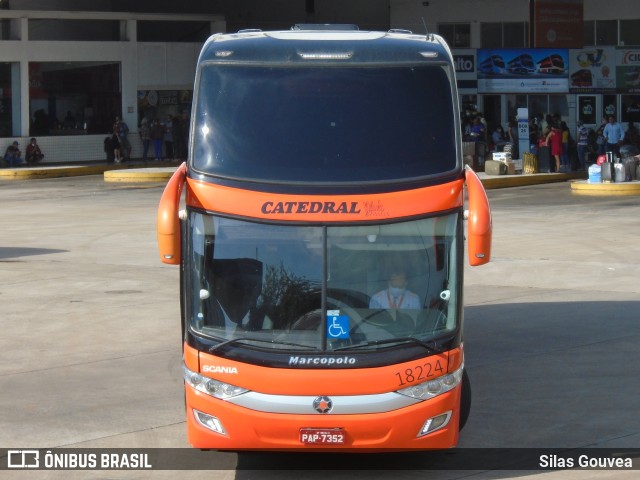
{"type": "Point", "coordinates": [494, 167]}
{"type": "Point", "coordinates": [544, 160]}
{"type": "Point", "coordinates": [619, 172]}
{"type": "Point", "coordinates": [530, 163]}
{"type": "Point", "coordinates": [630, 167]}
{"type": "Point", "coordinates": [595, 174]}
{"type": "Point", "coordinates": [608, 175]}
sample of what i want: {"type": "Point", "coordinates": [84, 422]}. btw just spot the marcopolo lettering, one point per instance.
{"type": "Point", "coordinates": [322, 361]}
{"type": "Point", "coordinates": [275, 208]}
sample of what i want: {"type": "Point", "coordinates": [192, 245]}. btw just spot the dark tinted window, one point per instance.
{"type": "Point", "coordinates": [491, 35]}
{"type": "Point", "coordinates": [74, 30]}
{"type": "Point", "coordinates": [606, 32]}
{"type": "Point", "coordinates": [324, 124]}
{"type": "Point", "coordinates": [172, 31]}
{"type": "Point", "coordinates": [630, 32]}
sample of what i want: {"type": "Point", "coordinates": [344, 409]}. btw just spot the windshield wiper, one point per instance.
{"type": "Point", "coordinates": [249, 339]}
{"type": "Point", "coordinates": [430, 346]}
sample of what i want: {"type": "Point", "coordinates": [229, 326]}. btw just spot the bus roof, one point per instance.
{"type": "Point", "coordinates": [328, 44]}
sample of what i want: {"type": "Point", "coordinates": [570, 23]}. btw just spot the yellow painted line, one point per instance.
{"type": "Point", "coordinates": [128, 173]}
{"type": "Point", "coordinates": [113, 173]}
{"type": "Point", "coordinates": [505, 181]}
{"type": "Point", "coordinates": [139, 175]}
{"type": "Point", "coordinates": [605, 189]}
{"type": "Point", "coordinates": [50, 172]}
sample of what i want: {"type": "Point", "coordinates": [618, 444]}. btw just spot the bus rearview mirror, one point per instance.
{"type": "Point", "coordinates": [479, 224]}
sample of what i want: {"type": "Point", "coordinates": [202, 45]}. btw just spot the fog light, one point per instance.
{"type": "Point", "coordinates": [210, 422]}
{"type": "Point", "coordinates": [435, 423]}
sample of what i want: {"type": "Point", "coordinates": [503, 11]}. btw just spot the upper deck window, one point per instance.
{"type": "Point", "coordinates": [324, 124]}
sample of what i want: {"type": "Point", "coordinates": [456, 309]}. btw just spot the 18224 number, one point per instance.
{"type": "Point", "coordinates": [419, 373]}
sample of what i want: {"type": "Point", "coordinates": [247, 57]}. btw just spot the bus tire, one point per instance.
{"type": "Point", "coordinates": [465, 400]}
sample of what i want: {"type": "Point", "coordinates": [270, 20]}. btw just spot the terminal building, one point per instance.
{"type": "Point", "coordinates": [66, 72]}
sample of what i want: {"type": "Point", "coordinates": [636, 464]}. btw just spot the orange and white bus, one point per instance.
{"type": "Point", "coordinates": [319, 228]}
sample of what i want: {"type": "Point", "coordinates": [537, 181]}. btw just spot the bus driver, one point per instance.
{"type": "Point", "coordinates": [396, 294]}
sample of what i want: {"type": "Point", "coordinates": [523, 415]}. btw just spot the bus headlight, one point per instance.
{"type": "Point", "coordinates": [212, 387]}
{"type": "Point", "coordinates": [435, 387]}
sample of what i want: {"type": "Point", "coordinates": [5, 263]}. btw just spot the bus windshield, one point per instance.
{"type": "Point", "coordinates": [324, 124]}
{"type": "Point", "coordinates": [288, 287]}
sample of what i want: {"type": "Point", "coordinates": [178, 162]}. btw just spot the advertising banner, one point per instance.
{"type": "Point", "coordinates": [592, 70]}
{"type": "Point", "coordinates": [558, 23]}
{"type": "Point", "coordinates": [523, 70]}
{"type": "Point", "coordinates": [628, 70]}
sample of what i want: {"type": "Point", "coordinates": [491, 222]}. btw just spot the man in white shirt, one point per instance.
{"type": "Point", "coordinates": [614, 134]}
{"type": "Point", "coordinates": [396, 294]}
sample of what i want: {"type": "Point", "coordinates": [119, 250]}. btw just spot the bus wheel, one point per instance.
{"type": "Point", "coordinates": [465, 400]}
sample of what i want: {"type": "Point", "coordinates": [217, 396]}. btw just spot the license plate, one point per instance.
{"type": "Point", "coordinates": [322, 436]}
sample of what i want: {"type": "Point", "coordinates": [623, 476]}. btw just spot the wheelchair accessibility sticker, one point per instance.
{"type": "Point", "coordinates": [337, 325]}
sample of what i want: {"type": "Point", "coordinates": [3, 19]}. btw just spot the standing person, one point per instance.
{"type": "Point", "coordinates": [33, 153]}
{"type": "Point", "coordinates": [583, 142]}
{"type": "Point", "coordinates": [478, 132]}
{"type": "Point", "coordinates": [121, 129]}
{"type": "Point", "coordinates": [566, 163]}
{"type": "Point", "coordinates": [512, 137]}
{"type": "Point", "coordinates": [157, 136]}
{"type": "Point", "coordinates": [115, 146]}
{"type": "Point", "coordinates": [12, 155]}
{"type": "Point", "coordinates": [600, 140]}
{"type": "Point", "coordinates": [554, 140]}
{"type": "Point", "coordinates": [614, 134]}
{"type": "Point", "coordinates": [108, 148]}
{"type": "Point", "coordinates": [185, 133]}
{"type": "Point", "coordinates": [176, 132]}
{"type": "Point", "coordinates": [632, 137]}
{"type": "Point", "coordinates": [145, 137]}
{"type": "Point", "coordinates": [168, 137]}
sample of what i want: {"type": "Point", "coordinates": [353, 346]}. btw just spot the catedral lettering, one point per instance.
{"type": "Point", "coordinates": [321, 243]}
{"type": "Point", "coordinates": [311, 207]}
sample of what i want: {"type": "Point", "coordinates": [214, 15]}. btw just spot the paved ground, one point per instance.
{"type": "Point", "coordinates": [91, 349]}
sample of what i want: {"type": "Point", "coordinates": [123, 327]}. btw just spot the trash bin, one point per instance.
{"type": "Point", "coordinates": [544, 159]}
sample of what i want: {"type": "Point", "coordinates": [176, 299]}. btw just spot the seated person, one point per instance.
{"type": "Point", "coordinates": [497, 137]}
{"type": "Point", "coordinates": [33, 153]}
{"type": "Point", "coordinates": [395, 295]}
{"type": "Point", "coordinates": [237, 285]}
{"type": "Point", "coordinates": [12, 155]}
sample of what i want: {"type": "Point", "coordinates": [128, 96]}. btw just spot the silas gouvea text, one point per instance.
{"type": "Point", "coordinates": [585, 461]}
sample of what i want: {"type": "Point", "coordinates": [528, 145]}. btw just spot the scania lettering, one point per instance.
{"type": "Point", "coordinates": [319, 227]}
{"type": "Point", "coordinates": [217, 369]}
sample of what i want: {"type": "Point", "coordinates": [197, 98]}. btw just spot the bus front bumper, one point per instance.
{"type": "Point", "coordinates": [221, 425]}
